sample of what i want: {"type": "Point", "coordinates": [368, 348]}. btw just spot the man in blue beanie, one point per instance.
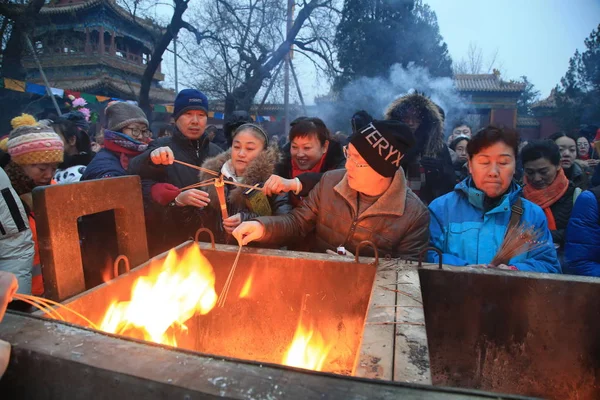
{"type": "Point", "coordinates": [179, 213]}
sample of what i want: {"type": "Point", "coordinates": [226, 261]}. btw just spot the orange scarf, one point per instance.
{"type": "Point", "coordinates": [548, 196]}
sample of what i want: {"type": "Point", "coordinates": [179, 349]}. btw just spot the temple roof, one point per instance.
{"type": "Point", "coordinates": [130, 90]}
{"type": "Point", "coordinates": [486, 83]}
{"type": "Point", "coordinates": [527, 122]}
{"type": "Point", "coordinates": [55, 9]}
{"type": "Point", "coordinates": [548, 102]}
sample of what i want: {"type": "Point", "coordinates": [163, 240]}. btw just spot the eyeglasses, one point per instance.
{"type": "Point", "coordinates": [345, 149]}
{"type": "Point", "coordinates": [135, 132]}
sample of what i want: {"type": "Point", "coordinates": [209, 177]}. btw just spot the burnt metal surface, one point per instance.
{"type": "Point", "coordinates": [331, 295]}
{"type": "Point", "coordinates": [52, 360]}
{"type": "Point", "coordinates": [513, 332]}
{"type": "Point", "coordinates": [57, 209]}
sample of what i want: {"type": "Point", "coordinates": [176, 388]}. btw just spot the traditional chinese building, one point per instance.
{"type": "Point", "coordinates": [96, 47]}
{"type": "Point", "coordinates": [544, 111]}
{"type": "Point", "coordinates": [491, 98]}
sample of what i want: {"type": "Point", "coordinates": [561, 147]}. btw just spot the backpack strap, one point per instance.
{"type": "Point", "coordinates": [576, 194]}
{"type": "Point", "coordinates": [516, 211]}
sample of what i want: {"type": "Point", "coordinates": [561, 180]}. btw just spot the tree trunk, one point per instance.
{"type": "Point", "coordinates": [242, 97]}
{"type": "Point", "coordinates": [12, 65]}
{"type": "Point", "coordinates": [156, 58]}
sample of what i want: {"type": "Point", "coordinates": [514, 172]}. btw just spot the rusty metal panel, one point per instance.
{"type": "Point", "coordinates": [330, 294]}
{"type": "Point", "coordinates": [513, 332]}
{"type": "Point", "coordinates": [52, 360]}
{"type": "Point", "coordinates": [57, 209]}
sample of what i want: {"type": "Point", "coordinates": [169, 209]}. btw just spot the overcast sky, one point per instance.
{"type": "Point", "coordinates": [535, 38]}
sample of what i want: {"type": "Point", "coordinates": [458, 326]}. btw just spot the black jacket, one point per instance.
{"type": "Point", "coordinates": [562, 213]}
{"type": "Point", "coordinates": [430, 152]}
{"type": "Point", "coordinates": [172, 225]}
{"type": "Point", "coordinates": [334, 159]}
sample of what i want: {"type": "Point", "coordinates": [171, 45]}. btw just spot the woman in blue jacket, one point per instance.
{"type": "Point", "coordinates": [582, 246]}
{"type": "Point", "coordinates": [469, 224]}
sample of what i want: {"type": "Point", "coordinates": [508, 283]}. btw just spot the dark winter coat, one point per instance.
{"type": "Point", "coordinates": [334, 159]}
{"type": "Point", "coordinates": [105, 164]}
{"type": "Point", "coordinates": [77, 159]}
{"type": "Point", "coordinates": [461, 171]}
{"type": "Point", "coordinates": [562, 212]}
{"type": "Point", "coordinates": [582, 245]}
{"type": "Point", "coordinates": [397, 223]}
{"type": "Point", "coordinates": [595, 181]}
{"type": "Point", "coordinates": [577, 175]}
{"type": "Point", "coordinates": [430, 152]}
{"type": "Point", "coordinates": [258, 171]}
{"type": "Point", "coordinates": [189, 151]}
{"type": "Point", "coordinates": [171, 225]}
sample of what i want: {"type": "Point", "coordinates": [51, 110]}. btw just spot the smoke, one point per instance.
{"type": "Point", "coordinates": [375, 94]}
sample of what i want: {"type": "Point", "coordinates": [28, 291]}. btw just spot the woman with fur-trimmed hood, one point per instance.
{"type": "Point", "coordinates": [250, 161]}
{"type": "Point", "coordinates": [428, 165]}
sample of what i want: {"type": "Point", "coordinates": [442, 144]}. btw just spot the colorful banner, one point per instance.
{"type": "Point", "coordinates": [90, 98]}
{"type": "Point", "coordinates": [13, 84]}
{"type": "Point", "coordinates": [35, 88]}
{"type": "Point", "coordinates": [20, 86]}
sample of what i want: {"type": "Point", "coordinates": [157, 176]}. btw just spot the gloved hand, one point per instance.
{"type": "Point", "coordinates": [432, 165]}
{"type": "Point", "coordinates": [164, 193]}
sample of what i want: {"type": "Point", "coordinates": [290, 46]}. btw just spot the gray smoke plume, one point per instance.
{"type": "Point", "coordinates": [375, 94]}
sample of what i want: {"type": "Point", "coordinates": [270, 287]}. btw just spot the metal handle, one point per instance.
{"type": "Point", "coordinates": [425, 250]}
{"type": "Point", "coordinates": [116, 265]}
{"type": "Point", "coordinates": [367, 243]}
{"type": "Point", "coordinates": [212, 236]}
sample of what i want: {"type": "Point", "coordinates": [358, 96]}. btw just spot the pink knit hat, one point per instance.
{"type": "Point", "coordinates": [35, 144]}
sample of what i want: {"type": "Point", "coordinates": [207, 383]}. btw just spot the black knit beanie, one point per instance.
{"type": "Point", "coordinates": [381, 143]}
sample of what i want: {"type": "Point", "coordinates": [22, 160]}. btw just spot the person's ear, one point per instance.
{"type": "Point", "coordinates": [72, 141]}
{"type": "Point", "coordinates": [326, 146]}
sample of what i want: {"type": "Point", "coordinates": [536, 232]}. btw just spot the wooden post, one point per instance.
{"type": "Point", "coordinates": [88, 45]}
{"type": "Point", "coordinates": [101, 40]}
{"type": "Point", "coordinates": [112, 43]}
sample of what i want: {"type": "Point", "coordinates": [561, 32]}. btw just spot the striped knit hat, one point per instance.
{"type": "Point", "coordinates": [35, 144]}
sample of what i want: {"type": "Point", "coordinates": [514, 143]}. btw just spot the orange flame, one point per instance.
{"type": "Point", "coordinates": [165, 299]}
{"type": "Point", "coordinates": [308, 349]}
{"type": "Point", "coordinates": [107, 272]}
{"type": "Point", "coordinates": [247, 286]}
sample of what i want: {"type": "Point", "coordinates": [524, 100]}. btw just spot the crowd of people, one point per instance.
{"type": "Point", "coordinates": [398, 182]}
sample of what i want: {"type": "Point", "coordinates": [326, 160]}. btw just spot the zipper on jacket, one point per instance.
{"type": "Point", "coordinates": [197, 148]}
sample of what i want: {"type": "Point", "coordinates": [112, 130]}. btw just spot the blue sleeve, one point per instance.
{"type": "Point", "coordinates": [582, 244]}
{"type": "Point", "coordinates": [437, 237]}
{"type": "Point", "coordinates": [544, 258]}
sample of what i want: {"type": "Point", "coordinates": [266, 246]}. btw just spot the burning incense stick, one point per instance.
{"type": "Point", "coordinates": [518, 240]}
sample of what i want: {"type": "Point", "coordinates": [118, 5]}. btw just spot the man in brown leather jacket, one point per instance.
{"type": "Point", "coordinates": [368, 201]}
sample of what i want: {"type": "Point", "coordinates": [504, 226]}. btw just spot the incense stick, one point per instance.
{"type": "Point", "coordinates": [39, 300]}
{"type": "Point", "coordinates": [208, 171]}
{"type": "Point", "coordinates": [225, 290]}
{"type": "Point", "coordinates": [207, 182]}
{"type": "Point", "coordinates": [244, 185]}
